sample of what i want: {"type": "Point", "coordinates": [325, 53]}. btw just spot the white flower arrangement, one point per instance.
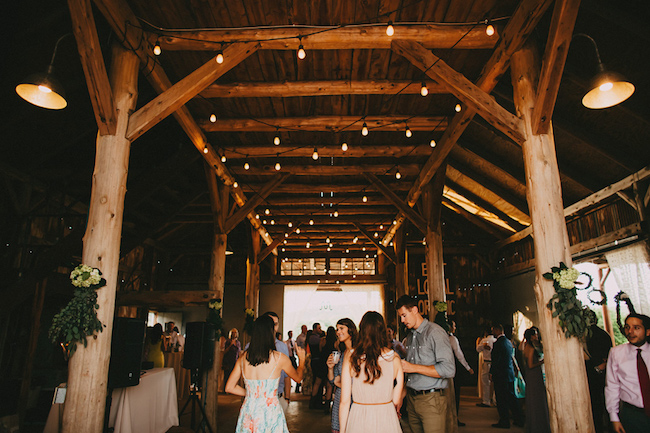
{"type": "Point", "coordinates": [215, 304]}
{"type": "Point", "coordinates": [85, 276]}
{"type": "Point", "coordinates": [566, 277]}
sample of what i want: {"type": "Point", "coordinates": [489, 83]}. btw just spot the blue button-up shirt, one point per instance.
{"type": "Point", "coordinates": [429, 345]}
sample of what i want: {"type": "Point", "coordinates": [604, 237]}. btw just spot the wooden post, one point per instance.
{"type": "Point", "coordinates": [88, 367]}
{"type": "Point", "coordinates": [253, 273]}
{"type": "Point", "coordinates": [569, 402]}
{"type": "Point", "coordinates": [432, 200]}
{"type": "Point", "coordinates": [401, 273]}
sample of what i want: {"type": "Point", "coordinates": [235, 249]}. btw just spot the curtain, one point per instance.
{"type": "Point", "coordinates": [631, 269]}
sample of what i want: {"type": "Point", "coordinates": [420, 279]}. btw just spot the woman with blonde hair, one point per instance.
{"type": "Point", "coordinates": [367, 378]}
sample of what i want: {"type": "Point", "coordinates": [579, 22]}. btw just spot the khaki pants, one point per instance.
{"type": "Point", "coordinates": [427, 413]}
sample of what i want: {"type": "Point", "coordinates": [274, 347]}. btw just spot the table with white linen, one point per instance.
{"type": "Point", "coordinates": [149, 407]}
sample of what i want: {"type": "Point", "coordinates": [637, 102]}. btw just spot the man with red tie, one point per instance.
{"type": "Point", "coordinates": [627, 393]}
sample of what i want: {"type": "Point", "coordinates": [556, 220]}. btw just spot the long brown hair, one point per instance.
{"type": "Point", "coordinates": [372, 339]}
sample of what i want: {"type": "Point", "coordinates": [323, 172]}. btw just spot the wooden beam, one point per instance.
{"type": "Point", "coordinates": [479, 222]}
{"type": "Point", "coordinates": [411, 214]}
{"type": "Point", "coordinates": [283, 89]}
{"type": "Point", "coordinates": [390, 254]}
{"type": "Point", "coordinates": [557, 48]}
{"type": "Point", "coordinates": [269, 249]}
{"type": "Point", "coordinates": [305, 150]}
{"type": "Point", "coordinates": [159, 298]}
{"type": "Point", "coordinates": [306, 188]}
{"type": "Point", "coordinates": [521, 24]}
{"type": "Point", "coordinates": [119, 15]}
{"type": "Point", "coordinates": [341, 170]}
{"type": "Point", "coordinates": [90, 54]}
{"type": "Point", "coordinates": [177, 95]}
{"type": "Point", "coordinates": [251, 204]}
{"type": "Point", "coordinates": [461, 87]}
{"type": "Point", "coordinates": [467, 36]}
{"type": "Point", "coordinates": [328, 123]}
{"type": "Point", "coordinates": [629, 200]}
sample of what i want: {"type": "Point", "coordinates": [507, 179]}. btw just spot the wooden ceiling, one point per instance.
{"type": "Point", "coordinates": [353, 73]}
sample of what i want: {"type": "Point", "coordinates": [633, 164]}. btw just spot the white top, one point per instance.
{"type": "Point", "coordinates": [458, 353]}
{"type": "Point", "coordinates": [486, 351]}
{"type": "Point", "coordinates": [622, 377]}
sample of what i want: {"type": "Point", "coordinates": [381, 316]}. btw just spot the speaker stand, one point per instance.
{"type": "Point", "coordinates": [196, 401]}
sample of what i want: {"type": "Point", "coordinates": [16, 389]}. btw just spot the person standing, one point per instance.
{"type": "Point", "coordinates": [503, 376]}
{"type": "Point", "coordinates": [231, 353]}
{"type": "Point", "coordinates": [537, 418]}
{"type": "Point", "coordinates": [301, 342]}
{"type": "Point", "coordinates": [397, 345]}
{"type": "Point", "coordinates": [460, 362]}
{"type": "Point", "coordinates": [627, 390]}
{"type": "Point", "coordinates": [599, 343]}
{"type": "Point", "coordinates": [372, 380]}
{"type": "Point", "coordinates": [318, 367]}
{"type": "Point", "coordinates": [284, 388]}
{"type": "Point", "coordinates": [429, 363]}
{"type": "Point", "coordinates": [346, 331]}
{"type": "Point", "coordinates": [484, 349]}
{"type": "Point", "coordinates": [261, 367]}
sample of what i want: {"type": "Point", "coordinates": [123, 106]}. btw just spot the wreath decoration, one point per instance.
{"type": "Point", "coordinates": [78, 319]}
{"type": "Point", "coordinates": [572, 315]}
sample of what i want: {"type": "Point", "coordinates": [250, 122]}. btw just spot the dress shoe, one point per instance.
{"type": "Point", "coordinates": [461, 424]}
{"type": "Point", "coordinates": [483, 405]}
{"type": "Point", "coordinates": [499, 425]}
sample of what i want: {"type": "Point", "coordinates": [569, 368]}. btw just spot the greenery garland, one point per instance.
{"type": "Point", "coordinates": [78, 320]}
{"type": "Point", "coordinates": [572, 315]}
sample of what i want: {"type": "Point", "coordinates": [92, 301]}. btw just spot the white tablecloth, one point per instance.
{"type": "Point", "coordinates": [150, 407]}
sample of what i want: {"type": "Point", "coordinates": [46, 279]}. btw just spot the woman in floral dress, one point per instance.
{"type": "Point", "coordinates": [260, 366]}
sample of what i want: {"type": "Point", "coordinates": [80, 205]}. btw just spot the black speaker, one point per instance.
{"type": "Point", "coordinates": [199, 345]}
{"type": "Point", "coordinates": [126, 352]}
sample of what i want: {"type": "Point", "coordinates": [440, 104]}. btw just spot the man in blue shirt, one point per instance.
{"type": "Point", "coordinates": [429, 363]}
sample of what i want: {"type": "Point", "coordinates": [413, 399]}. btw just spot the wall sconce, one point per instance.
{"type": "Point", "coordinates": [43, 89]}
{"type": "Point", "coordinates": [607, 88]}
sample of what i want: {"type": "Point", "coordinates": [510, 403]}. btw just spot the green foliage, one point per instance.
{"type": "Point", "coordinates": [573, 317]}
{"type": "Point", "coordinates": [249, 318]}
{"type": "Point", "coordinates": [214, 317]}
{"type": "Point", "coordinates": [77, 320]}
{"type": "Point", "coordinates": [619, 338]}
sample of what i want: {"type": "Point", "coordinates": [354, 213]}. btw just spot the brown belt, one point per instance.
{"type": "Point", "coordinates": [370, 404]}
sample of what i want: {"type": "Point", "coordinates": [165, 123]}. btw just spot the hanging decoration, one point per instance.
{"type": "Point", "coordinates": [573, 317]}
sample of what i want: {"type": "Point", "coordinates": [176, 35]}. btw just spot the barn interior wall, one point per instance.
{"type": "Point", "coordinates": [513, 294]}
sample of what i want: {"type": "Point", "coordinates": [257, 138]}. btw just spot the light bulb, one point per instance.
{"type": "Point", "coordinates": [347, 250]}
{"type": "Point", "coordinates": [327, 240]}
{"type": "Point", "coordinates": [364, 129]}
{"type": "Point", "coordinates": [307, 244]}
{"type": "Point", "coordinates": [364, 199]}
{"type": "Point", "coordinates": [458, 108]}
{"type": "Point", "coordinates": [376, 235]}
{"type": "Point", "coordinates": [156, 49]}
{"type": "Point", "coordinates": [398, 175]}
{"type": "Point", "coordinates": [408, 132]}
{"type": "Point", "coordinates": [235, 184]}
{"type": "Point", "coordinates": [223, 158]}
{"type": "Point", "coordinates": [314, 155]}
{"type": "Point", "coordinates": [290, 224]}
{"type": "Point", "coordinates": [605, 87]}
{"type": "Point", "coordinates": [489, 30]}
{"type": "Point", "coordinates": [247, 165]}
{"type": "Point", "coordinates": [263, 221]}
{"type": "Point", "coordinates": [381, 226]}
{"type": "Point", "coordinates": [205, 149]}
{"type": "Point", "coordinates": [336, 214]}
{"type": "Point", "coordinates": [363, 249]}
{"type": "Point", "coordinates": [257, 216]}
{"type": "Point", "coordinates": [284, 249]}
{"type": "Point", "coordinates": [272, 222]}
{"type": "Point", "coordinates": [390, 30]}
{"type": "Point", "coordinates": [276, 140]}
{"type": "Point", "coordinates": [355, 240]}
{"type": "Point", "coordinates": [278, 167]}
{"type": "Point", "coordinates": [423, 90]}
{"type": "Point", "coordinates": [267, 211]}
{"type": "Point", "coordinates": [311, 222]}
{"type": "Point", "coordinates": [344, 147]}
{"type": "Point", "coordinates": [297, 231]}
{"type": "Point", "coordinates": [432, 143]}
{"type": "Point", "coordinates": [301, 52]}
{"type": "Point", "coordinates": [213, 117]}
{"type": "Point", "coordinates": [220, 57]}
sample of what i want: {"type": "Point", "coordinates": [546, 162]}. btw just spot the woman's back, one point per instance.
{"type": "Point", "coordinates": [264, 371]}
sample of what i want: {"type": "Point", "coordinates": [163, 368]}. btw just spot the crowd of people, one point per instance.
{"type": "Point", "coordinates": [371, 381]}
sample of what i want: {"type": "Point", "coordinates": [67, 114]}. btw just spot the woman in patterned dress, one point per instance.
{"type": "Point", "coordinates": [260, 367]}
{"type": "Point", "coordinates": [346, 331]}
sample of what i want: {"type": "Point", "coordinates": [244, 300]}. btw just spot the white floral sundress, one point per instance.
{"type": "Point", "coordinates": [261, 411]}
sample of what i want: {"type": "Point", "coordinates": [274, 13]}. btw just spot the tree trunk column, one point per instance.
{"type": "Point", "coordinates": [566, 387]}
{"type": "Point", "coordinates": [401, 272]}
{"type": "Point", "coordinates": [432, 201]}
{"type": "Point", "coordinates": [253, 273]}
{"type": "Point", "coordinates": [88, 367]}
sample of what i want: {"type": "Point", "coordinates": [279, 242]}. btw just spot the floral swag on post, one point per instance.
{"type": "Point", "coordinates": [249, 318]}
{"type": "Point", "coordinates": [78, 320]}
{"type": "Point", "coordinates": [573, 316]}
{"type": "Point", "coordinates": [214, 317]}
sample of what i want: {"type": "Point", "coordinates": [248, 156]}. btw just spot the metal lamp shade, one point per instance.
{"type": "Point", "coordinates": [607, 90]}
{"type": "Point", "coordinates": [43, 90]}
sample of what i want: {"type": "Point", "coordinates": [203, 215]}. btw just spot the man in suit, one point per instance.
{"type": "Point", "coordinates": [502, 372]}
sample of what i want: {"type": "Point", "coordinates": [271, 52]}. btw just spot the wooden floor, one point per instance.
{"type": "Point", "coordinates": [302, 420]}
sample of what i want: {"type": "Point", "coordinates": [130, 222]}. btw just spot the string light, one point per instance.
{"type": "Point", "coordinates": [272, 222]}
{"type": "Point", "coordinates": [423, 90]}
{"type": "Point", "coordinates": [297, 231]}
{"type": "Point", "coordinates": [398, 175]}
{"type": "Point", "coordinates": [257, 216]}
{"type": "Point", "coordinates": [213, 117]}
{"type": "Point", "coordinates": [276, 139]}
{"type": "Point", "coordinates": [290, 224]}
{"type": "Point", "coordinates": [301, 50]}
{"type": "Point", "coordinates": [307, 244]}
{"type": "Point", "coordinates": [489, 29]}
{"type": "Point", "coordinates": [364, 129]}
{"type": "Point", "coordinates": [381, 226]}
{"type": "Point", "coordinates": [235, 184]}
{"type": "Point", "coordinates": [458, 108]}
{"type": "Point", "coordinates": [267, 211]}
{"type": "Point", "coordinates": [223, 158]}
{"type": "Point", "coordinates": [314, 155]}
{"type": "Point", "coordinates": [408, 132]}
{"type": "Point", "coordinates": [156, 48]}
{"type": "Point", "coordinates": [247, 166]}
{"type": "Point", "coordinates": [327, 240]}
{"type": "Point", "coordinates": [364, 199]}
{"type": "Point", "coordinates": [277, 164]}
{"type": "Point", "coordinates": [376, 235]}
{"type": "Point", "coordinates": [219, 57]}
{"type": "Point", "coordinates": [205, 149]}
{"type": "Point", "coordinates": [311, 222]}
{"type": "Point", "coordinates": [355, 240]}
{"type": "Point", "coordinates": [263, 221]}
{"type": "Point", "coordinates": [390, 30]}
{"type": "Point", "coordinates": [344, 147]}
{"type": "Point", "coordinates": [432, 143]}
{"type": "Point", "coordinates": [336, 214]}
